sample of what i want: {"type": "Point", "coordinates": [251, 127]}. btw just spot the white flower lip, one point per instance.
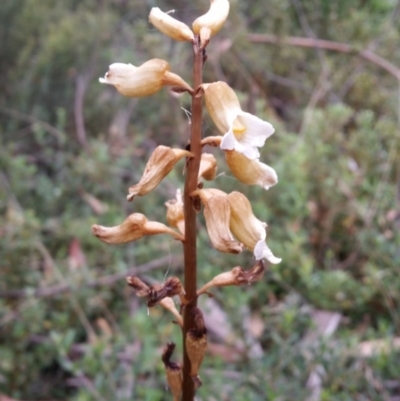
{"type": "Point", "coordinates": [121, 68]}
{"type": "Point", "coordinates": [241, 131]}
{"type": "Point", "coordinates": [261, 251]}
{"type": "Point", "coordinates": [248, 229]}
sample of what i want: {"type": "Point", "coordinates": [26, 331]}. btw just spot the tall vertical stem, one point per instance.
{"type": "Point", "coordinates": [189, 246]}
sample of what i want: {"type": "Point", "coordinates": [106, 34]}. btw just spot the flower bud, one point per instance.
{"type": "Point", "coordinates": [175, 214]}
{"type": "Point", "coordinates": [208, 167]}
{"type": "Point", "coordinates": [250, 172]}
{"type": "Point", "coordinates": [242, 131]}
{"type": "Point", "coordinates": [141, 81]}
{"type": "Point", "coordinates": [210, 23]}
{"type": "Point", "coordinates": [173, 372]}
{"type": "Point", "coordinates": [237, 276]}
{"type": "Point", "coordinates": [134, 227]}
{"type": "Point", "coordinates": [161, 162]}
{"type": "Point", "coordinates": [248, 229]}
{"type": "Point", "coordinates": [170, 26]}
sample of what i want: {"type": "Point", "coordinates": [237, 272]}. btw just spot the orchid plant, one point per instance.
{"type": "Point", "coordinates": [230, 222]}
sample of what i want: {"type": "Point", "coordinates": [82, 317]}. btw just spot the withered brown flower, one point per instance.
{"type": "Point", "coordinates": [236, 276]}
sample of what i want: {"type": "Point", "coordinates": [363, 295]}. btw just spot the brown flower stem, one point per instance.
{"type": "Point", "coordinates": [189, 246]}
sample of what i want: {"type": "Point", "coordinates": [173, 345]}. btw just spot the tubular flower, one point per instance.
{"type": "Point", "coordinates": [141, 81]}
{"type": "Point", "coordinates": [173, 372]}
{"type": "Point", "coordinates": [161, 162]}
{"type": "Point", "coordinates": [237, 276]}
{"type": "Point", "coordinates": [250, 172]}
{"type": "Point", "coordinates": [211, 22]}
{"type": "Point", "coordinates": [170, 26]}
{"type": "Point", "coordinates": [217, 214]}
{"type": "Point", "coordinates": [242, 131]}
{"type": "Point", "coordinates": [248, 229]}
{"type": "Point", "coordinates": [175, 214]}
{"type": "Point", "coordinates": [208, 167]}
{"type": "Point", "coordinates": [134, 227]}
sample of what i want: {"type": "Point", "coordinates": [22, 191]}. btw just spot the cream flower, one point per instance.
{"type": "Point", "coordinates": [161, 162]}
{"type": "Point", "coordinates": [211, 22]}
{"type": "Point", "coordinates": [141, 81]}
{"type": "Point", "coordinates": [248, 229]}
{"type": "Point", "coordinates": [217, 214]}
{"type": "Point", "coordinates": [170, 26]}
{"type": "Point", "coordinates": [250, 172]}
{"type": "Point", "coordinates": [134, 227]}
{"type": "Point", "coordinates": [242, 131]}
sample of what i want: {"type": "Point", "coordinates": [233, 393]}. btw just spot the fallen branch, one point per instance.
{"type": "Point", "coordinates": [327, 45]}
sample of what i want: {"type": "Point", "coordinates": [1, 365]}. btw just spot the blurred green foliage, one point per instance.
{"type": "Point", "coordinates": [334, 216]}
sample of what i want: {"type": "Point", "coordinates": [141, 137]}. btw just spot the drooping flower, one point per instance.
{"type": "Point", "coordinates": [170, 26]}
{"type": "Point", "coordinates": [161, 162]}
{"type": "Point", "coordinates": [217, 214]}
{"type": "Point", "coordinates": [248, 229]}
{"type": "Point", "coordinates": [144, 80]}
{"type": "Point", "coordinates": [242, 131]}
{"type": "Point", "coordinates": [250, 172]}
{"type": "Point", "coordinates": [134, 227]}
{"type": "Point", "coordinates": [211, 22]}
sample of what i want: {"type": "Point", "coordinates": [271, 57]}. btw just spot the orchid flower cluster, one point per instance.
{"type": "Point", "coordinates": [230, 221]}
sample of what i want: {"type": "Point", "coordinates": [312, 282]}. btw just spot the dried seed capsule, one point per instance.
{"type": "Point", "coordinates": [196, 344]}
{"type": "Point", "coordinates": [173, 372]}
